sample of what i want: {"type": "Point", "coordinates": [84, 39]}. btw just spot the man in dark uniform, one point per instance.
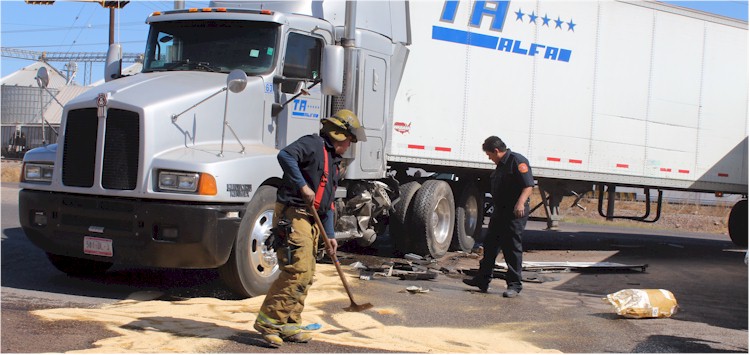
{"type": "Point", "coordinates": [512, 184]}
{"type": "Point", "coordinates": [311, 175]}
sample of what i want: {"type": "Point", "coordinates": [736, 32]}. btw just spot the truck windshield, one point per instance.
{"type": "Point", "coordinates": [216, 46]}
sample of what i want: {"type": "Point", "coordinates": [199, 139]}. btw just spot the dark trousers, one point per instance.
{"type": "Point", "coordinates": [504, 233]}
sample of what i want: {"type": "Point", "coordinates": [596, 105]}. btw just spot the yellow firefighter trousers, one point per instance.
{"type": "Point", "coordinates": [281, 311]}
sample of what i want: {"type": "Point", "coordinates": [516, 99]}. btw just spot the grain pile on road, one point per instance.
{"type": "Point", "coordinates": [198, 325]}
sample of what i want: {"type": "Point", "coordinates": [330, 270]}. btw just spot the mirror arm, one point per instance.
{"type": "Point", "coordinates": [175, 116]}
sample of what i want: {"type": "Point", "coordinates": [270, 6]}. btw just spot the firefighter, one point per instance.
{"type": "Point", "coordinates": [311, 175]}
{"type": "Point", "coordinates": [512, 184]}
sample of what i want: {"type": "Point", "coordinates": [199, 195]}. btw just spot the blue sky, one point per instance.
{"type": "Point", "coordinates": [78, 26]}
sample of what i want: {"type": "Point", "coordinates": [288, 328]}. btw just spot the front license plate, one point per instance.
{"type": "Point", "coordinates": [97, 246]}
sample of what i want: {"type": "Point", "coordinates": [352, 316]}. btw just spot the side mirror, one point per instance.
{"type": "Point", "coordinates": [236, 81]}
{"type": "Point", "coordinates": [42, 77]}
{"type": "Point", "coordinates": [332, 70]}
{"type": "Point", "coordinates": [113, 67]}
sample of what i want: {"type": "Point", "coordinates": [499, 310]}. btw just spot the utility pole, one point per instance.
{"type": "Point", "coordinates": [111, 26]}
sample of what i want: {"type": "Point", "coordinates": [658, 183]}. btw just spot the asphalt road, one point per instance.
{"type": "Point", "coordinates": [706, 273]}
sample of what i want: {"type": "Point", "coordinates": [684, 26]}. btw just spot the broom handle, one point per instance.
{"type": "Point", "coordinates": [331, 252]}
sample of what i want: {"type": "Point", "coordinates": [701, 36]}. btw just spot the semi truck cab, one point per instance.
{"type": "Point", "coordinates": [159, 168]}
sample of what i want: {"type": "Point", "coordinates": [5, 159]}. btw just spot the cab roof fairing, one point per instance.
{"type": "Point", "coordinates": [183, 15]}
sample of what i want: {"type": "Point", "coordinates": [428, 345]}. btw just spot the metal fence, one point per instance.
{"type": "Point", "coordinates": [22, 105]}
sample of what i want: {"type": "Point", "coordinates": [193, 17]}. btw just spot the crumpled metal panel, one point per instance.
{"type": "Point", "coordinates": [365, 202]}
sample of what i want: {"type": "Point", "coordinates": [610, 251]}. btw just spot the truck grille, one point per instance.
{"type": "Point", "coordinates": [121, 143]}
{"type": "Point", "coordinates": [80, 148]}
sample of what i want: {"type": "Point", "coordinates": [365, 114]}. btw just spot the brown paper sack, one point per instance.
{"type": "Point", "coordinates": [651, 303]}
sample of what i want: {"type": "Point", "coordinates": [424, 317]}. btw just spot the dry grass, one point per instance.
{"type": "Point", "coordinates": [11, 170]}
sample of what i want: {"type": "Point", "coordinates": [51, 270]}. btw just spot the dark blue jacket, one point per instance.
{"type": "Point", "coordinates": [302, 163]}
{"type": "Point", "coordinates": [510, 177]}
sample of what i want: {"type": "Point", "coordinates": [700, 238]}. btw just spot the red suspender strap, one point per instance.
{"type": "Point", "coordinates": [323, 180]}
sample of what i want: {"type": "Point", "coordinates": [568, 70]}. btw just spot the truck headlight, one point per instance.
{"type": "Point", "coordinates": [37, 172]}
{"type": "Point", "coordinates": [201, 183]}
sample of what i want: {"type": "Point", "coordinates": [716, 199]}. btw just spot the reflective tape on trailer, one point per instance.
{"type": "Point", "coordinates": [428, 148]}
{"type": "Point", "coordinates": [559, 160]}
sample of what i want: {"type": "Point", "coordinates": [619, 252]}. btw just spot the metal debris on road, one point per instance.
{"type": "Point", "coordinates": [417, 289]}
{"type": "Point", "coordinates": [570, 266]}
{"type": "Point", "coordinates": [416, 275]}
{"type": "Point", "coordinates": [411, 256]}
{"type": "Point", "coordinates": [358, 265]}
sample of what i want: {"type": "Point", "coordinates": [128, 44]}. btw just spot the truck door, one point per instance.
{"type": "Point", "coordinates": [373, 114]}
{"type": "Point", "coordinates": [301, 116]}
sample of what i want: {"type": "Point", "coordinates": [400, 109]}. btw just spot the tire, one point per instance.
{"type": "Point", "coordinates": [77, 266]}
{"type": "Point", "coordinates": [469, 217]}
{"type": "Point", "coordinates": [738, 224]}
{"type": "Point", "coordinates": [432, 216]}
{"type": "Point", "coordinates": [399, 224]}
{"type": "Point", "coordinates": [252, 267]}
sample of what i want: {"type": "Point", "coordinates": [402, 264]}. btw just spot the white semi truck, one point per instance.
{"type": "Point", "coordinates": [176, 166]}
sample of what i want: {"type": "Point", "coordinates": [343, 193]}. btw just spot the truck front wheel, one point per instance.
{"type": "Point", "coordinates": [252, 267]}
{"type": "Point", "coordinates": [738, 224]}
{"type": "Point", "coordinates": [433, 217]}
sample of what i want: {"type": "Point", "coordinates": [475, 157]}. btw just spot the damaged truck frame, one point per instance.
{"type": "Point", "coordinates": [176, 166]}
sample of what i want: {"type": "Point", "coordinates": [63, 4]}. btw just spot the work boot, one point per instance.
{"type": "Point", "coordinates": [272, 339]}
{"type": "Point", "coordinates": [293, 333]}
{"type": "Point", "coordinates": [301, 337]}
{"type": "Point", "coordinates": [482, 285]}
{"type": "Point", "coordinates": [510, 293]}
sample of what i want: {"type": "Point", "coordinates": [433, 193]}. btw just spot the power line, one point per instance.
{"type": "Point", "coordinates": [77, 44]}
{"type": "Point", "coordinates": [55, 29]}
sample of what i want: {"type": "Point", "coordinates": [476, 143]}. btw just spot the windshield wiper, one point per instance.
{"type": "Point", "coordinates": [192, 65]}
{"type": "Point", "coordinates": [177, 64]}
{"type": "Point", "coordinates": [206, 66]}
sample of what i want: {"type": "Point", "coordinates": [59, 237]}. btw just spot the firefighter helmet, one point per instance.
{"type": "Point", "coordinates": [343, 123]}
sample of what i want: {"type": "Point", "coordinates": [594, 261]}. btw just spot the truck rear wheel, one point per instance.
{"type": "Point", "coordinates": [433, 217]}
{"type": "Point", "coordinates": [252, 267]}
{"type": "Point", "coordinates": [738, 224]}
{"type": "Point", "coordinates": [469, 216]}
{"type": "Point", "coordinates": [77, 266]}
{"type": "Point", "coordinates": [399, 224]}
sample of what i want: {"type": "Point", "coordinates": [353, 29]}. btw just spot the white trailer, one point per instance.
{"type": "Point", "coordinates": [609, 93]}
{"type": "Point", "coordinates": [176, 166]}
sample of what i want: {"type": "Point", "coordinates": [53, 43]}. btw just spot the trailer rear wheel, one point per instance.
{"type": "Point", "coordinates": [469, 216]}
{"type": "Point", "coordinates": [738, 224]}
{"type": "Point", "coordinates": [399, 224]}
{"type": "Point", "coordinates": [77, 266]}
{"type": "Point", "coordinates": [433, 217]}
{"type": "Point", "coordinates": [252, 267]}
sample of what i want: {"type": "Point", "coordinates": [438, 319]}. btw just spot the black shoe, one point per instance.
{"type": "Point", "coordinates": [510, 293]}
{"type": "Point", "coordinates": [483, 286]}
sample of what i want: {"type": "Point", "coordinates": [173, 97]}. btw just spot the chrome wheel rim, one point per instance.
{"type": "Point", "coordinates": [264, 261]}
{"type": "Point", "coordinates": [441, 221]}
